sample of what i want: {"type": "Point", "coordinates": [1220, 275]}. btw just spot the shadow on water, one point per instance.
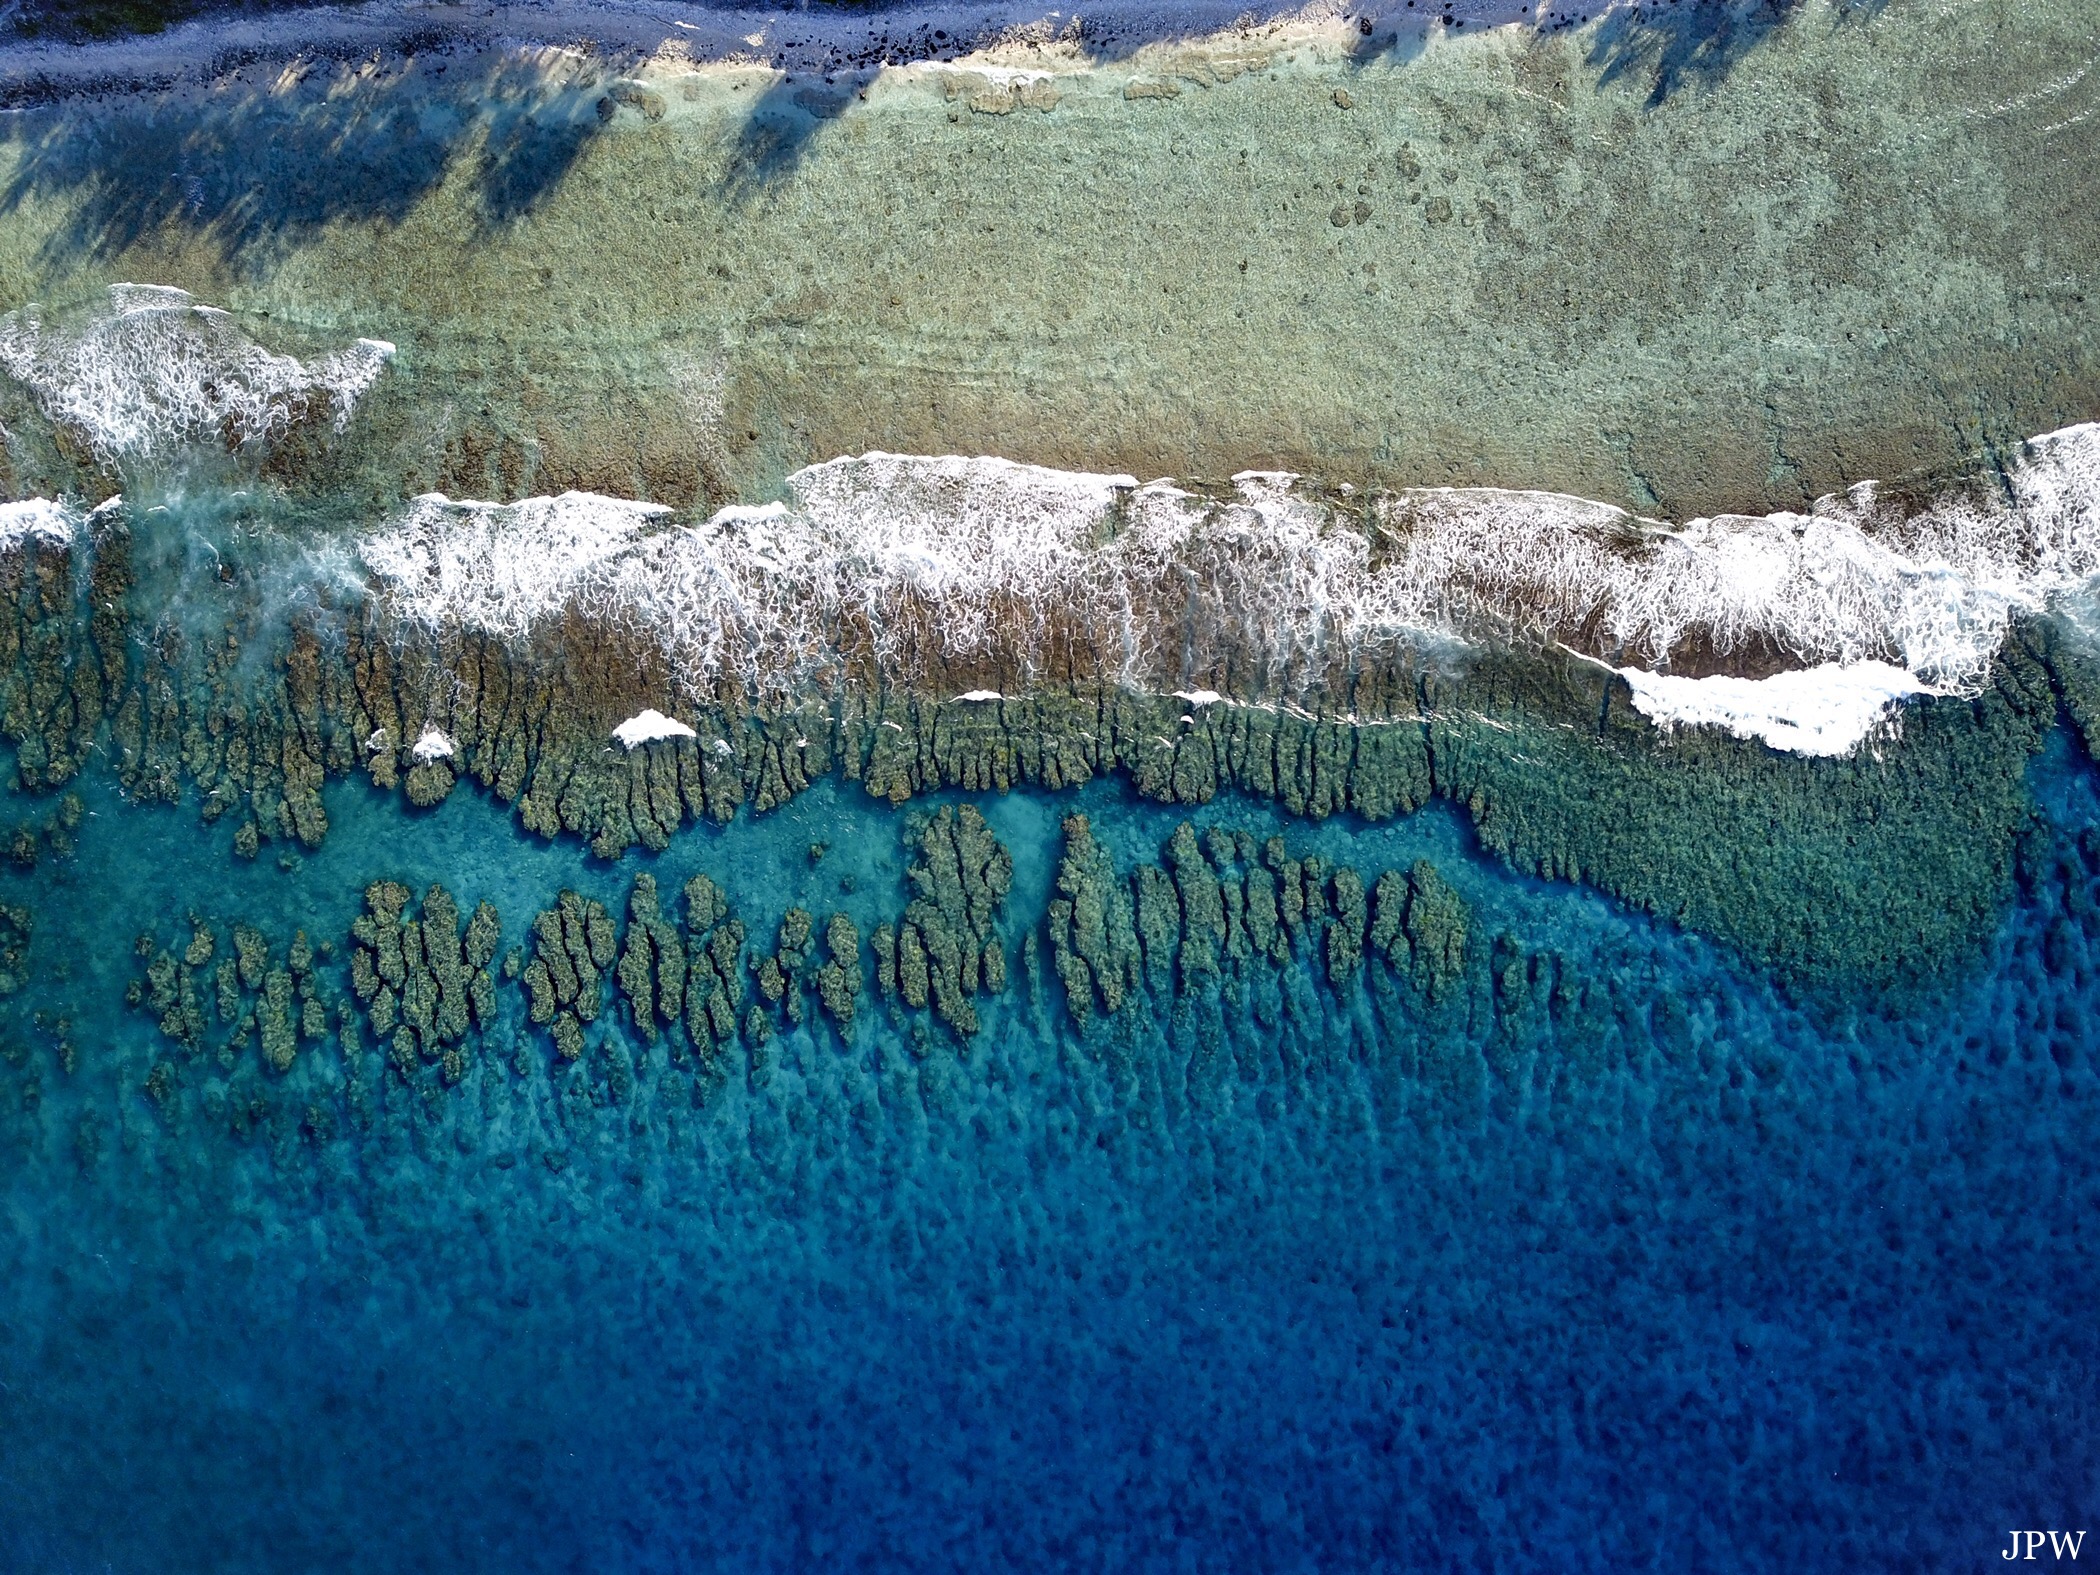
{"type": "Point", "coordinates": [1672, 44]}
{"type": "Point", "coordinates": [1666, 45]}
{"type": "Point", "coordinates": [266, 159]}
{"type": "Point", "coordinates": [778, 132]}
{"type": "Point", "coordinates": [270, 155]}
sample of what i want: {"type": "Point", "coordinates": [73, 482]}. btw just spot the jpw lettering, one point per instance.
{"type": "Point", "coordinates": [2027, 1545]}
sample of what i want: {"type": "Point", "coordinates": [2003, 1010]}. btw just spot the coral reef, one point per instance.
{"type": "Point", "coordinates": [838, 981]}
{"type": "Point", "coordinates": [1544, 752]}
{"type": "Point", "coordinates": [573, 947]}
{"type": "Point", "coordinates": [1222, 909]}
{"type": "Point", "coordinates": [714, 984]}
{"type": "Point", "coordinates": [652, 964]}
{"type": "Point", "coordinates": [1219, 914]}
{"type": "Point", "coordinates": [266, 999]}
{"type": "Point", "coordinates": [945, 950]}
{"type": "Point", "coordinates": [1093, 934]}
{"type": "Point", "coordinates": [15, 923]}
{"type": "Point", "coordinates": [422, 982]}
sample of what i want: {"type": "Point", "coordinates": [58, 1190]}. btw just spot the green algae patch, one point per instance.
{"type": "Point", "coordinates": [1883, 868]}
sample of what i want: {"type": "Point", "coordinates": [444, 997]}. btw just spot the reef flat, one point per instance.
{"type": "Point", "coordinates": [1600, 262]}
{"type": "Point", "coordinates": [1291, 791]}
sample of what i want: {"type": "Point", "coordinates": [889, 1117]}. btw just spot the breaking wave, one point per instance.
{"type": "Point", "coordinates": [155, 370]}
{"type": "Point", "coordinates": [1823, 710]}
{"type": "Point", "coordinates": [912, 569]}
{"type": "Point", "coordinates": [979, 577]}
{"type": "Point", "coordinates": [1930, 585]}
{"type": "Point", "coordinates": [947, 569]}
{"type": "Point", "coordinates": [38, 519]}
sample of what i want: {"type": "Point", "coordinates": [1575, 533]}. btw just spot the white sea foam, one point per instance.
{"type": "Point", "coordinates": [649, 727]}
{"type": "Point", "coordinates": [1824, 710]}
{"type": "Point", "coordinates": [432, 744]}
{"type": "Point", "coordinates": [900, 564]}
{"type": "Point", "coordinates": [501, 568]}
{"type": "Point", "coordinates": [38, 519]}
{"type": "Point", "coordinates": [155, 370]}
{"type": "Point", "coordinates": [1853, 580]}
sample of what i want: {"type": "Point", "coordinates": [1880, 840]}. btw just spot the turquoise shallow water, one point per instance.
{"type": "Point", "coordinates": [1625, 1262]}
{"type": "Point", "coordinates": [1845, 241]}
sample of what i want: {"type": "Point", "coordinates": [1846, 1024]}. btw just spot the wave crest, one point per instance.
{"type": "Point", "coordinates": [905, 569]}
{"type": "Point", "coordinates": [951, 567]}
{"type": "Point", "coordinates": [156, 370]}
{"type": "Point", "coordinates": [1864, 576]}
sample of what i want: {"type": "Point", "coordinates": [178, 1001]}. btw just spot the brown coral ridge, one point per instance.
{"type": "Point", "coordinates": [347, 690]}
{"type": "Point", "coordinates": [263, 999]}
{"type": "Point", "coordinates": [1222, 907]}
{"type": "Point", "coordinates": [425, 986]}
{"type": "Point", "coordinates": [689, 986]}
{"type": "Point", "coordinates": [1223, 923]}
{"type": "Point", "coordinates": [573, 946]}
{"type": "Point", "coordinates": [15, 925]}
{"type": "Point", "coordinates": [689, 978]}
{"type": "Point", "coordinates": [945, 951]}
{"type": "Point", "coordinates": [54, 836]}
{"type": "Point", "coordinates": [422, 982]}
{"type": "Point", "coordinates": [1881, 868]}
{"type": "Point", "coordinates": [63, 650]}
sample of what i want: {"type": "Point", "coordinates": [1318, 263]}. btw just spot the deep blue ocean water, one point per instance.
{"type": "Point", "coordinates": [1634, 1265]}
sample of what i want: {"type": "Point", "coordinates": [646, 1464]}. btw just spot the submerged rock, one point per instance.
{"type": "Point", "coordinates": [15, 925]}
{"type": "Point", "coordinates": [948, 948]}
{"type": "Point", "coordinates": [1093, 934]}
{"type": "Point", "coordinates": [714, 982]}
{"type": "Point", "coordinates": [573, 947]}
{"type": "Point", "coordinates": [425, 986]}
{"type": "Point", "coordinates": [280, 1043]}
{"type": "Point", "coordinates": [1879, 868]}
{"type": "Point", "coordinates": [839, 980]}
{"type": "Point", "coordinates": [1544, 753]}
{"type": "Point", "coordinates": [1224, 910]}
{"type": "Point", "coordinates": [1435, 924]}
{"type": "Point", "coordinates": [652, 970]}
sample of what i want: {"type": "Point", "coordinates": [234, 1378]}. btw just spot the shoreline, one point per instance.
{"type": "Point", "coordinates": [1492, 265]}
{"type": "Point", "coordinates": [799, 41]}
